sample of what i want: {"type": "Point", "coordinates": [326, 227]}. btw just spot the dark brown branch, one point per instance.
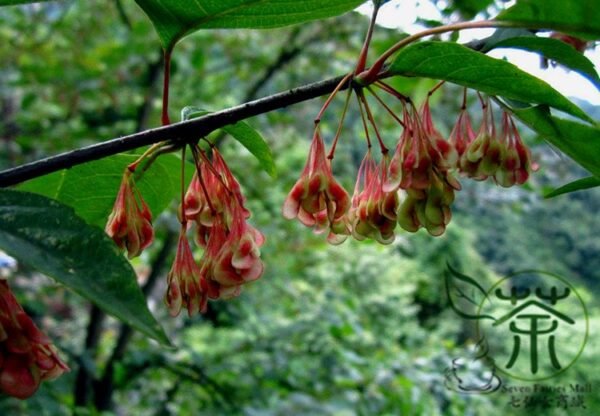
{"type": "Point", "coordinates": [186, 131]}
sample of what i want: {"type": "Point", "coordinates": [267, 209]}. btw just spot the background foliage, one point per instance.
{"type": "Point", "coordinates": [357, 329]}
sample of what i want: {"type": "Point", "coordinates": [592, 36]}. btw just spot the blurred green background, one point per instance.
{"type": "Point", "coordinates": [358, 329]}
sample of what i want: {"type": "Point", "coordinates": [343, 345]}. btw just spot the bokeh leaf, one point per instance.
{"type": "Point", "coordinates": [461, 65]}
{"type": "Point", "coordinates": [581, 18]}
{"type": "Point", "coordinates": [49, 237]}
{"type": "Point", "coordinates": [469, 8]}
{"type": "Point", "coordinates": [554, 50]}
{"type": "Point", "coordinates": [15, 2]}
{"type": "Point", "coordinates": [578, 185]}
{"type": "Point", "coordinates": [91, 188]}
{"type": "Point", "coordinates": [579, 141]}
{"type": "Point", "coordinates": [173, 19]}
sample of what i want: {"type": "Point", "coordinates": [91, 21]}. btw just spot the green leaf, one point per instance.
{"type": "Point", "coordinates": [461, 65]}
{"type": "Point", "coordinates": [254, 142]}
{"type": "Point", "coordinates": [49, 237]}
{"type": "Point", "coordinates": [91, 188]}
{"type": "Point", "coordinates": [174, 19]}
{"type": "Point", "coordinates": [469, 8]}
{"type": "Point", "coordinates": [579, 141]}
{"type": "Point", "coordinates": [554, 50]}
{"type": "Point", "coordinates": [578, 185]}
{"type": "Point", "coordinates": [503, 33]}
{"type": "Point", "coordinates": [580, 17]}
{"type": "Point", "coordinates": [241, 131]}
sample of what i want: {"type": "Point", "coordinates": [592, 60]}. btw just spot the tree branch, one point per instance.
{"type": "Point", "coordinates": [182, 132]}
{"type": "Point", "coordinates": [123, 15]}
{"type": "Point", "coordinates": [94, 330]}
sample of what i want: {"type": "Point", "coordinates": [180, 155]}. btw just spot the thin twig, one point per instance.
{"type": "Point", "coordinates": [371, 74]}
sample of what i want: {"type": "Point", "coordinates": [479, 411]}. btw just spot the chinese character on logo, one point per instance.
{"type": "Point", "coordinates": [525, 318]}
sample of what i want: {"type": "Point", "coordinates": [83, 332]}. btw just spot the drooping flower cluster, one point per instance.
{"type": "Point", "coordinates": [185, 286]}
{"type": "Point", "coordinates": [373, 211]}
{"type": "Point", "coordinates": [481, 157]}
{"type": "Point", "coordinates": [130, 222]}
{"type": "Point", "coordinates": [210, 196]}
{"type": "Point", "coordinates": [215, 204]}
{"type": "Point", "coordinates": [232, 257]}
{"type": "Point", "coordinates": [462, 134]}
{"type": "Point", "coordinates": [317, 199]}
{"type": "Point", "coordinates": [416, 186]}
{"type": "Point", "coordinates": [27, 356]}
{"type": "Point", "coordinates": [515, 164]}
{"type": "Point", "coordinates": [504, 158]}
{"type": "Point", "coordinates": [420, 169]}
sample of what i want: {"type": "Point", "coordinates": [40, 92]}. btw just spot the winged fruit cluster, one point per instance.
{"type": "Point", "coordinates": [416, 186]}
{"type": "Point", "coordinates": [130, 222]}
{"type": "Point", "coordinates": [214, 204]}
